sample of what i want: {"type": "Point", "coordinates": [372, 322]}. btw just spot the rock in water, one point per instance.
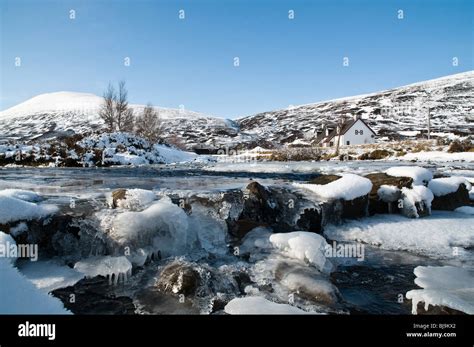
{"type": "Point", "coordinates": [179, 278]}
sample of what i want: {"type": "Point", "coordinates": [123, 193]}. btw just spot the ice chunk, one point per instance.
{"type": "Point", "coordinates": [163, 225]}
{"type": "Point", "coordinates": [13, 209]}
{"type": "Point", "coordinates": [136, 199]}
{"type": "Point", "coordinates": [465, 210]}
{"type": "Point", "coordinates": [305, 246]}
{"type": "Point", "coordinates": [259, 305]}
{"type": "Point", "coordinates": [348, 187]}
{"type": "Point", "coordinates": [388, 193]}
{"type": "Point", "coordinates": [20, 296]}
{"type": "Point", "coordinates": [49, 275]}
{"type": "Point", "coordinates": [448, 286]}
{"type": "Point", "coordinates": [420, 175]}
{"type": "Point", "coordinates": [21, 194]}
{"type": "Point", "coordinates": [435, 236]}
{"type": "Point", "coordinates": [114, 268]}
{"type": "Point", "coordinates": [418, 195]}
{"type": "Point", "coordinates": [447, 185]}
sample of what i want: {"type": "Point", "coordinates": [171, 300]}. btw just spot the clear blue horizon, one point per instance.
{"type": "Point", "coordinates": [190, 61]}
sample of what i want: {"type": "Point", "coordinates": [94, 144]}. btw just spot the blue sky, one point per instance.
{"type": "Point", "coordinates": [190, 62]}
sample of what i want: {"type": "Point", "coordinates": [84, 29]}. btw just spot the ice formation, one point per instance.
{"type": "Point", "coordinates": [305, 246]}
{"type": "Point", "coordinates": [465, 210]}
{"type": "Point", "coordinates": [20, 296]}
{"type": "Point", "coordinates": [388, 193]}
{"type": "Point", "coordinates": [417, 195]}
{"type": "Point", "coordinates": [434, 236]}
{"type": "Point", "coordinates": [259, 305]}
{"type": "Point", "coordinates": [15, 205]}
{"type": "Point", "coordinates": [448, 286]}
{"type": "Point", "coordinates": [116, 269]}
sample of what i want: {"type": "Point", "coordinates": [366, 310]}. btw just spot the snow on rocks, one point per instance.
{"type": "Point", "coordinates": [388, 193]}
{"type": "Point", "coordinates": [15, 206]}
{"type": "Point", "coordinates": [439, 156]}
{"type": "Point", "coordinates": [416, 202]}
{"type": "Point", "coordinates": [259, 305]}
{"type": "Point", "coordinates": [419, 175]}
{"type": "Point", "coordinates": [434, 236]}
{"type": "Point", "coordinates": [20, 296]}
{"type": "Point", "coordinates": [305, 246]}
{"type": "Point", "coordinates": [450, 192]}
{"type": "Point", "coordinates": [446, 286]}
{"type": "Point", "coordinates": [348, 187]}
{"type": "Point", "coordinates": [446, 185]}
{"type": "Point", "coordinates": [116, 269]}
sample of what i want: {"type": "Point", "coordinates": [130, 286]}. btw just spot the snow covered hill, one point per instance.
{"type": "Point", "coordinates": [392, 112]}
{"type": "Point", "coordinates": [57, 114]}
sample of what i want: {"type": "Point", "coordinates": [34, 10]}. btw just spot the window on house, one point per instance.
{"type": "Point", "coordinates": [348, 143]}
{"type": "Point", "coordinates": [361, 132]}
{"type": "Point", "coordinates": [331, 143]}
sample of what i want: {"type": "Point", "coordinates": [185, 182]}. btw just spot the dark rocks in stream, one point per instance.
{"type": "Point", "coordinates": [94, 296]}
{"type": "Point", "coordinates": [179, 278]}
{"type": "Point", "coordinates": [452, 201]}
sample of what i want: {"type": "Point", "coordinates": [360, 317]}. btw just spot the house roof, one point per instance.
{"type": "Point", "coordinates": [345, 128]}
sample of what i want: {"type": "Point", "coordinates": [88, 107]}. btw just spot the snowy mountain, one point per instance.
{"type": "Point", "coordinates": [51, 115]}
{"type": "Point", "coordinates": [392, 113]}
{"type": "Point", "coordinates": [399, 111]}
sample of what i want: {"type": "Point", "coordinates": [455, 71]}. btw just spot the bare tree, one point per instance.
{"type": "Point", "coordinates": [124, 115]}
{"type": "Point", "coordinates": [149, 125]}
{"type": "Point", "coordinates": [107, 110]}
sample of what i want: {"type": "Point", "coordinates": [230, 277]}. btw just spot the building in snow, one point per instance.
{"type": "Point", "coordinates": [353, 132]}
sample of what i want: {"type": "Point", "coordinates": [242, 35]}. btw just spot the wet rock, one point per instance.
{"type": "Point", "coordinates": [117, 195]}
{"type": "Point", "coordinates": [451, 201]}
{"type": "Point", "coordinates": [376, 203]}
{"type": "Point", "coordinates": [94, 296]}
{"type": "Point", "coordinates": [178, 278]}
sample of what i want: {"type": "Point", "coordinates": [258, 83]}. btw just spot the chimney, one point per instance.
{"type": "Point", "coordinates": [327, 131]}
{"type": "Point", "coordinates": [356, 117]}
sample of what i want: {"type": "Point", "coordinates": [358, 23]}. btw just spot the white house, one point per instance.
{"type": "Point", "coordinates": [353, 132]}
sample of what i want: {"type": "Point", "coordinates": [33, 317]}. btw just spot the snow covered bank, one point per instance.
{"type": "Point", "coordinates": [16, 205]}
{"type": "Point", "coordinates": [259, 305]}
{"type": "Point", "coordinates": [20, 296]}
{"type": "Point", "coordinates": [348, 187]}
{"type": "Point", "coordinates": [448, 286]}
{"type": "Point", "coordinates": [438, 156]}
{"type": "Point", "coordinates": [418, 174]}
{"type": "Point", "coordinates": [442, 235]}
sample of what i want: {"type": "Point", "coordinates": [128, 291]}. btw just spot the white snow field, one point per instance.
{"type": "Point", "coordinates": [439, 156]}
{"type": "Point", "coordinates": [420, 175]}
{"type": "Point", "coordinates": [443, 235]}
{"type": "Point", "coordinates": [19, 295]}
{"type": "Point", "coordinates": [17, 205]}
{"type": "Point", "coordinates": [305, 246]}
{"type": "Point", "coordinates": [448, 286]}
{"type": "Point", "coordinates": [348, 187]}
{"type": "Point", "coordinates": [260, 305]}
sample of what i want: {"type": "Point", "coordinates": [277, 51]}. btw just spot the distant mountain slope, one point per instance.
{"type": "Point", "coordinates": [388, 112]}
{"type": "Point", "coordinates": [51, 115]}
